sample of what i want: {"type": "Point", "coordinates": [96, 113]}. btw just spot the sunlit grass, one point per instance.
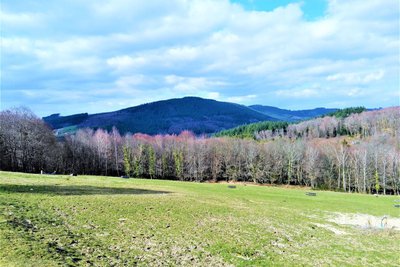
{"type": "Point", "coordinates": [87, 220]}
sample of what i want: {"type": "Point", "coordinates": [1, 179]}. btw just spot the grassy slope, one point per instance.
{"type": "Point", "coordinates": [88, 220]}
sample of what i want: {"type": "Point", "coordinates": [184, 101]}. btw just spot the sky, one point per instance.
{"type": "Point", "coordinates": [73, 56]}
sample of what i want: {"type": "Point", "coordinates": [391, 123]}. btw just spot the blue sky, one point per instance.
{"type": "Point", "coordinates": [312, 9]}
{"type": "Point", "coordinates": [72, 56]}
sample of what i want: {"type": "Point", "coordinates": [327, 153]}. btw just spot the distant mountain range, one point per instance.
{"type": "Point", "coordinates": [292, 115]}
{"type": "Point", "coordinates": [201, 116]}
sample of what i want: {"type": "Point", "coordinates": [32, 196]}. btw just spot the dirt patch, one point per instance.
{"type": "Point", "coordinates": [331, 228]}
{"type": "Point", "coordinates": [366, 221]}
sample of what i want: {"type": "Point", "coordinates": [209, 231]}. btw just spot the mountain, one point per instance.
{"type": "Point", "coordinates": [168, 116]}
{"type": "Point", "coordinates": [57, 122]}
{"type": "Point", "coordinates": [292, 115]}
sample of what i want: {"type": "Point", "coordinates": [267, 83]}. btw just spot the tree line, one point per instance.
{"type": "Point", "coordinates": [365, 160]}
{"type": "Point", "coordinates": [345, 112]}
{"type": "Point", "coordinates": [249, 130]}
{"type": "Point", "coordinates": [362, 125]}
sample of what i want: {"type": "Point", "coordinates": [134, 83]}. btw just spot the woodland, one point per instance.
{"type": "Point", "coordinates": [357, 152]}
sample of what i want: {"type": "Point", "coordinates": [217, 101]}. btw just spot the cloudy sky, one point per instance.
{"type": "Point", "coordinates": [71, 56]}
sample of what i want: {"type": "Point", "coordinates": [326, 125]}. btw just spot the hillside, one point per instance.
{"type": "Point", "coordinates": [292, 115]}
{"type": "Point", "coordinates": [249, 130]}
{"type": "Point", "coordinates": [169, 116]}
{"type": "Point", "coordinates": [340, 122]}
{"type": "Point", "coordinates": [304, 153]}
{"type": "Point", "coordinates": [57, 122]}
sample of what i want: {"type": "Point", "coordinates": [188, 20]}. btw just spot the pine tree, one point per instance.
{"type": "Point", "coordinates": [152, 161]}
{"type": "Point", "coordinates": [127, 161]}
{"type": "Point", "coordinates": [377, 186]}
{"type": "Point", "coordinates": [178, 159]}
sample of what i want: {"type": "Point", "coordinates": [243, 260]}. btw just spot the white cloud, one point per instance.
{"type": "Point", "coordinates": [215, 49]}
{"type": "Point", "coordinates": [183, 53]}
{"type": "Point", "coordinates": [126, 62]}
{"type": "Point", "coordinates": [213, 95]}
{"type": "Point", "coordinates": [132, 81]}
{"type": "Point", "coordinates": [354, 92]}
{"type": "Point", "coordinates": [324, 29]}
{"type": "Point", "coordinates": [357, 78]}
{"type": "Point", "coordinates": [298, 93]}
{"type": "Point", "coordinates": [244, 99]}
{"type": "Point", "coordinates": [191, 85]}
{"type": "Point", "coordinates": [19, 20]}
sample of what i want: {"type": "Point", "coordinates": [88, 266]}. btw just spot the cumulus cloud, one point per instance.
{"type": "Point", "coordinates": [357, 78]}
{"type": "Point", "coordinates": [20, 20]}
{"type": "Point", "coordinates": [121, 63]}
{"type": "Point", "coordinates": [242, 99]}
{"type": "Point", "coordinates": [131, 52]}
{"type": "Point", "coordinates": [298, 93]}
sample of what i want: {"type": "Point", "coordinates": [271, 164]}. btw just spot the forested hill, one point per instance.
{"type": "Point", "coordinates": [166, 117]}
{"type": "Point", "coordinates": [339, 122]}
{"type": "Point", "coordinates": [250, 130]}
{"type": "Point", "coordinates": [358, 152]}
{"type": "Point", "coordinates": [292, 115]}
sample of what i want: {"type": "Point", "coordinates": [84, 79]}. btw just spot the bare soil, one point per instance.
{"type": "Point", "coordinates": [366, 221]}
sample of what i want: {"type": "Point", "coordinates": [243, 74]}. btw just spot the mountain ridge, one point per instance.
{"type": "Point", "coordinates": [171, 116]}
{"type": "Point", "coordinates": [201, 116]}
{"type": "Point", "coordinates": [292, 115]}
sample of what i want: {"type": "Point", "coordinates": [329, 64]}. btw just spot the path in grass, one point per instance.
{"type": "Point", "coordinates": [104, 221]}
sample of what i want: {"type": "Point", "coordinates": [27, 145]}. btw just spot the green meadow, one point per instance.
{"type": "Point", "coordinates": [55, 220]}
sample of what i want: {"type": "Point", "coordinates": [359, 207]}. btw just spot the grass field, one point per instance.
{"type": "Point", "coordinates": [104, 221]}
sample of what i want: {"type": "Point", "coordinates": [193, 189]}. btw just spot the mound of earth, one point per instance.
{"type": "Point", "coordinates": [366, 221]}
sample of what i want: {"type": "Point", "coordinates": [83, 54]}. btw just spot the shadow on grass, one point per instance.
{"type": "Point", "coordinates": [77, 190]}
